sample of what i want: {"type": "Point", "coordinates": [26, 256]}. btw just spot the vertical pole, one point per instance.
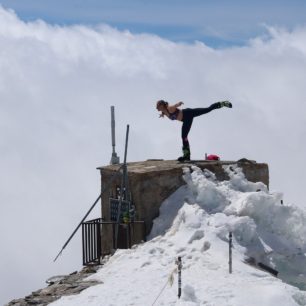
{"type": "Point", "coordinates": [126, 142]}
{"type": "Point", "coordinates": [115, 158]}
{"type": "Point", "coordinates": [83, 243]}
{"type": "Point", "coordinates": [113, 127]}
{"type": "Point", "coordinates": [179, 269]}
{"type": "Point", "coordinates": [123, 180]}
{"type": "Point", "coordinates": [230, 252]}
{"type": "Point", "coordinates": [99, 246]}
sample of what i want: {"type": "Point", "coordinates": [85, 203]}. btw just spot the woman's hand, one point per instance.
{"type": "Point", "coordinates": [179, 104]}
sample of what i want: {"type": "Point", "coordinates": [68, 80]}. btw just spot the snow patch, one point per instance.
{"type": "Point", "coordinates": [194, 223]}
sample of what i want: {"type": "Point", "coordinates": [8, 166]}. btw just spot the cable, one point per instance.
{"type": "Point", "coordinates": [170, 281]}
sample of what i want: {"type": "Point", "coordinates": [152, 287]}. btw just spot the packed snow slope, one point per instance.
{"type": "Point", "coordinates": [194, 223]}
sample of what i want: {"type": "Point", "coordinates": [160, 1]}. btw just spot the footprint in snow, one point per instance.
{"type": "Point", "coordinates": [180, 250]}
{"type": "Point", "coordinates": [197, 235]}
{"type": "Point", "coordinates": [146, 263]}
{"type": "Point", "coordinates": [152, 251]}
{"type": "Point", "coordinates": [189, 294]}
{"type": "Point", "coordinates": [206, 246]}
{"type": "Point", "coordinates": [155, 250]}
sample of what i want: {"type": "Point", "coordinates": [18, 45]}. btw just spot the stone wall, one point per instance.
{"type": "Point", "coordinates": [152, 181]}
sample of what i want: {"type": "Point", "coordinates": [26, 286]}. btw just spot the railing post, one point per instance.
{"type": "Point", "coordinates": [83, 243]}
{"type": "Point", "coordinates": [98, 227]}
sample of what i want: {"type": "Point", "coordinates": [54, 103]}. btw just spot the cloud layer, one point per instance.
{"type": "Point", "coordinates": [56, 88]}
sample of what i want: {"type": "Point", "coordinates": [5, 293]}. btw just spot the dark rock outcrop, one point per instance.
{"type": "Point", "coordinates": [59, 286]}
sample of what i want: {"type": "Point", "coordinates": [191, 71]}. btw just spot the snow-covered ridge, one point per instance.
{"type": "Point", "coordinates": [194, 223]}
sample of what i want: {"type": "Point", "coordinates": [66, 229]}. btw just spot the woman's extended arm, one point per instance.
{"type": "Point", "coordinates": [172, 108]}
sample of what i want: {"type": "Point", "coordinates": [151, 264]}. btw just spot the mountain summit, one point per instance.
{"type": "Point", "coordinates": [194, 223]}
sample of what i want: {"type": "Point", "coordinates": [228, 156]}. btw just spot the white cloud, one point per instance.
{"type": "Point", "coordinates": [56, 88]}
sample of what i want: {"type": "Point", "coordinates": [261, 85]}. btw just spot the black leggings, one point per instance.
{"type": "Point", "coordinates": [189, 114]}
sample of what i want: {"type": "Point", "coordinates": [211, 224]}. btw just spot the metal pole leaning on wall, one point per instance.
{"type": "Point", "coordinates": [230, 243]}
{"type": "Point", "coordinates": [89, 211]}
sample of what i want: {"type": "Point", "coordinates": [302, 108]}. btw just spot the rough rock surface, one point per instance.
{"type": "Point", "coordinates": [59, 286]}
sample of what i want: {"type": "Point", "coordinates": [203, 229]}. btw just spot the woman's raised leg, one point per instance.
{"type": "Point", "coordinates": [201, 111]}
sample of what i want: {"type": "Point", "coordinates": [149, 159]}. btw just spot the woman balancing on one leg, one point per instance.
{"type": "Point", "coordinates": [186, 116]}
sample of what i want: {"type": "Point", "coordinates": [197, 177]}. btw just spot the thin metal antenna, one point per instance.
{"type": "Point", "coordinates": [115, 159]}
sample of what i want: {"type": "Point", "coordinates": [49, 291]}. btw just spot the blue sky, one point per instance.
{"type": "Point", "coordinates": [216, 23]}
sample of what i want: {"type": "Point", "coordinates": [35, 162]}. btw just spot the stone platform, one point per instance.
{"type": "Point", "coordinates": [152, 181]}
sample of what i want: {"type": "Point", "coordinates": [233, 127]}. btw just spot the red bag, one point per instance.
{"type": "Point", "coordinates": [213, 157]}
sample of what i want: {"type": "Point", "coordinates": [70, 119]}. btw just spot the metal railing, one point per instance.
{"type": "Point", "coordinates": [92, 232]}
{"type": "Point", "coordinates": [91, 241]}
